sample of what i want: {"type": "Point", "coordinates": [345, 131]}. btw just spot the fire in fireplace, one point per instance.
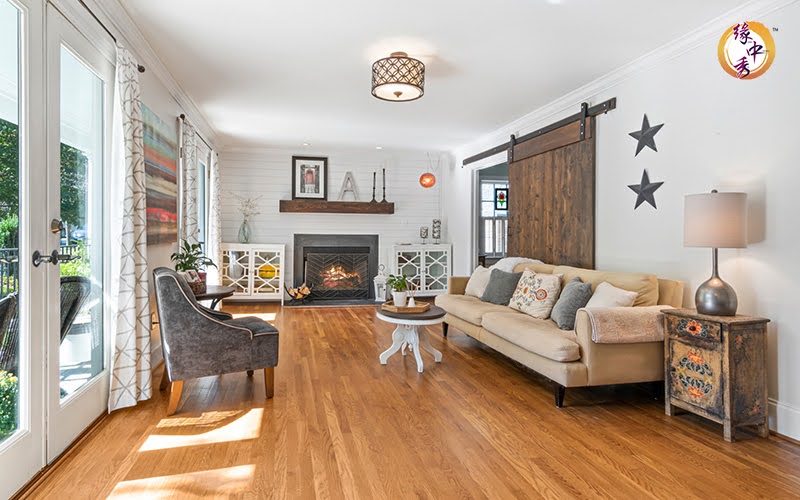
{"type": "Point", "coordinates": [338, 275]}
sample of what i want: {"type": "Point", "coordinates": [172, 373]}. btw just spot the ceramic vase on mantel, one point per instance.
{"type": "Point", "coordinates": [244, 231]}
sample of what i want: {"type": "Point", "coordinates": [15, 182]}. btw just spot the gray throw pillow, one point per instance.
{"type": "Point", "coordinates": [574, 296]}
{"type": "Point", "coordinates": [501, 287]}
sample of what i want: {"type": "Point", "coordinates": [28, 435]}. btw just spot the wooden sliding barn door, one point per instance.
{"type": "Point", "coordinates": [552, 197]}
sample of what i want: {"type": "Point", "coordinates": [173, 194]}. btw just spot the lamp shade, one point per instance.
{"type": "Point", "coordinates": [715, 220]}
{"type": "Point", "coordinates": [398, 78]}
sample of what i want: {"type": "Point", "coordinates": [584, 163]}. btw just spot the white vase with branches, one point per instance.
{"type": "Point", "coordinates": [248, 207]}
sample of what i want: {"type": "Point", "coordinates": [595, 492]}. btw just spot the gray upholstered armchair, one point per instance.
{"type": "Point", "coordinates": [200, 342]}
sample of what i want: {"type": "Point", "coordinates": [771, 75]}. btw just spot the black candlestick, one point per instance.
{"type": "Point", "coordinates": [384, 187]}
{"type": "Point", "coordinates": [374, 175]}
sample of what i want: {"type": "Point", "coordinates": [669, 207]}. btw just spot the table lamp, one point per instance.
{"type": "Point", "coordinates": [715, 220]}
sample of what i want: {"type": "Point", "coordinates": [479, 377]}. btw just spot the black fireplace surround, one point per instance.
{"type": "Point", "coordinates": [336, 266]}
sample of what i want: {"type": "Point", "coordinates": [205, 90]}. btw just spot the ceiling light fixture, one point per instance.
{"type": "Point", "coordinates": [398, 78]}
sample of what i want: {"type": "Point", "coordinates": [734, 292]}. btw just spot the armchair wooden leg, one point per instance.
{"type": "Point", "coordinates": [175, 397]}
{"type": "Point", "coordinates": [269, 382]}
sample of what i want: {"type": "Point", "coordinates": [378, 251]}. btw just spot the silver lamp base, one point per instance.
{"type": "Point", "coordinates": [715, 297]}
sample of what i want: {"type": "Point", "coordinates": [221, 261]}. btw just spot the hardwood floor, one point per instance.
{"type": "Point", "coordinates": [475, 426]}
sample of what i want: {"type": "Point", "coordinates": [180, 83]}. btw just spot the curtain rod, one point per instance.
{"type": "Point", "coordinates": [140, 67]}
{"type": "Point", "coordinates": [183, 118]}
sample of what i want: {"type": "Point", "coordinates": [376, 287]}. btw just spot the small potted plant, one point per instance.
{"type": "Point", "coordinates": [399, 286]}
{"type": "Point", "coordinates": [190, 261]}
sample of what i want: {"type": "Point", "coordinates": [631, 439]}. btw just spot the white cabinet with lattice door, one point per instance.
{"type": "Point", "coordinates": [254, 271]}
{"type": "Point", "coordinates": [427, 266]}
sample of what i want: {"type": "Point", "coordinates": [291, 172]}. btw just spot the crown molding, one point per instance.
{"type": "Point", "coordinates": [117, 19]}
{"type": "Point", "coordinates": [567, 103]}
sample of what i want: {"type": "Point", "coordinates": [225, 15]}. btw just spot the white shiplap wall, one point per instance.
{"type": "Point", "coordinates": [269, 173]}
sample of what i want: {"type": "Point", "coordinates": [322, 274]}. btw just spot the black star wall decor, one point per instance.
{"type": "Point", "coordinates": [646, 136]}
{"type": "Point", "coordinates": [645, 190]}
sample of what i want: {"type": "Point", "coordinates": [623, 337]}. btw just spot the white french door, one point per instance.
{"type": "Point", "coordinates": [55, 115]}
{"type": "Point", "coordinates": [80, 84]}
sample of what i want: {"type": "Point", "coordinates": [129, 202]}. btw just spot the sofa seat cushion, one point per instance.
{"type": "Point", "coordinates": [539, 336]}
{"type": "Point", "coordinates": [469, 308]}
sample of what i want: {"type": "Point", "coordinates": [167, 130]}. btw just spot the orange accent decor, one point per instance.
{"type": "Point", "coordinates": [427, 180]}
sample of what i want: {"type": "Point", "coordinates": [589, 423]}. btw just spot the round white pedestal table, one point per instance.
{"type": "Point", "coordinates": [409, 336]}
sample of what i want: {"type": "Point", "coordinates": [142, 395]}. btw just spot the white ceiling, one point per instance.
{"type": "Point", "coordinates": [269, 73]}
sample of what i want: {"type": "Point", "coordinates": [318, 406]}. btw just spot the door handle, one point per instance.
{"type": "Point", "coordinates": [39, 258]}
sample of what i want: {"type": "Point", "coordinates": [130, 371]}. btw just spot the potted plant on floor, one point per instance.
{"type": "Point", "coordinates": [399, 286]}
{"type": "Point", "coordinates": [191, 262]}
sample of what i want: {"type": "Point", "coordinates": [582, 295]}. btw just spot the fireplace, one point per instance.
{"type": "Point", "coordinates": [336, 266]}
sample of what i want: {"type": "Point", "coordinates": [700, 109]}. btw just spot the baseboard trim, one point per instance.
{"type": "Point", "coordinates": [784, 420]}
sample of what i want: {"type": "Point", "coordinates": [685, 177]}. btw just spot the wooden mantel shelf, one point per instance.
{"type": "Point", "coordinates": [337, 207]}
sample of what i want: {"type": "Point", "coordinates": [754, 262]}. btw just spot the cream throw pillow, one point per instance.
{"type": "Point", "coordinates": [607, 295]}
{"type": "Point", "coordinates": [536, 294]}
{"type": "Point", "coordinates": [478, 281]}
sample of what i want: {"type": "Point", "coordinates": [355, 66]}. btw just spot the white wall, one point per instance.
{"type": "Point", "coordinates": [719, 133]}
{"type": "Point", "coordinates": [269, 173]}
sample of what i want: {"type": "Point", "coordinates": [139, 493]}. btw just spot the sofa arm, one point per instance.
{"type": "Point", "coordinates": [617, 363]}
{"type": "Point", "coordinates": [457, 285]}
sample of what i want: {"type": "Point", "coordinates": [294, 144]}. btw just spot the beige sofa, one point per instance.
{"type": "Point", "coordinates": [569, 358]}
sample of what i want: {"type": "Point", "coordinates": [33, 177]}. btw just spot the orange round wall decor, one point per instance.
{"type": "Point", "coordinates": [746, 50]}
{"type": "Point", "coordinates": [427, 180]}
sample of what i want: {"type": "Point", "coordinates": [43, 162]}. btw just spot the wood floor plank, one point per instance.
{"type": "Point", "coordinates": [476, 425]}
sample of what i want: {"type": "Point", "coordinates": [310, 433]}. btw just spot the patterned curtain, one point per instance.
{"type": "Point", "coordinates": [189, 228]}
{"type": "Point", "coordinates": [130, 364]}
{"type": "Point", "coordinates": [214, 244]}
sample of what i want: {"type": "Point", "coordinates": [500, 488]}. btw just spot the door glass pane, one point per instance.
{"type": "Point", "coordinates": [9, 219]}
{"type": "Point", "coordinates": [81, 327]}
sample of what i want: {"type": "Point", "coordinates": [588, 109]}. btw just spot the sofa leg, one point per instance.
{"type": "Point", "coordinates": [249, 373]}
{"type": "Point", "coordinates": [269, 382]}
{"type": "Point", "coordinates": [559, 391]}
{"type": "Point", "coordinates": [445, 327]}
{"type": "Point", "coordinates": [175, 397]}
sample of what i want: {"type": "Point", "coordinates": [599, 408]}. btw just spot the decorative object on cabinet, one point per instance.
{"type": "Point", "coordinates": [255, 271]}
{"type": "Point", "coordinates": [645, 190]}
{"type": "Point", "coordinates": [715, 220]}
{"type": "Point", "coordinates": [348, 186]}
{"type": "Point", "coordinates": [716, 367]}
{"type": "Point", "coordinates": [501, 199]}
{"type": "Point", "coordinates": [248, 207]}
{"type": "Point", "coordinates": [427, 266]}
{"type": "Point", "coordinates": [645, 136]}
{"type": "Point", "coordinates": [423, 233]}
{"type": "Point", "coordinates": [309, 178]}
{"type": "Point", "coordinates": [380, 284]}
{"type": "Point", "coordinates": [437, 230]}
{"type": "Point", "coordinates": [398, 78]}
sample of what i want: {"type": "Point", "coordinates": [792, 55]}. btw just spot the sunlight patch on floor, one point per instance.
{"type": "Point", "coordinates": [264, 316]}
{"type": "Point", "coordinates": [217, 483]}
{"type": "Point", "coordinates": [209, 418]}
{"type": "Point", "coordinates": [248, 426]}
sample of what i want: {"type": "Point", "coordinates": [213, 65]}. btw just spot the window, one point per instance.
{"type": "Point", "coordinates": [493, 224]}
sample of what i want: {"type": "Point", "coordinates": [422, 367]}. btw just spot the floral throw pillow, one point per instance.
{"type": "Point", "coordinates": [536, 294]}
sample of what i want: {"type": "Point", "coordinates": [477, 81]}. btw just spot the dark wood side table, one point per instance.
{"type": "Point", "coordinates": [215, 293]}
{"type": "Point", "coordinates": [716, 367]}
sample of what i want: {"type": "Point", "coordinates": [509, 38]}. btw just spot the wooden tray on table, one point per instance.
{"type": "Point", "coordinates": [420, 307]}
